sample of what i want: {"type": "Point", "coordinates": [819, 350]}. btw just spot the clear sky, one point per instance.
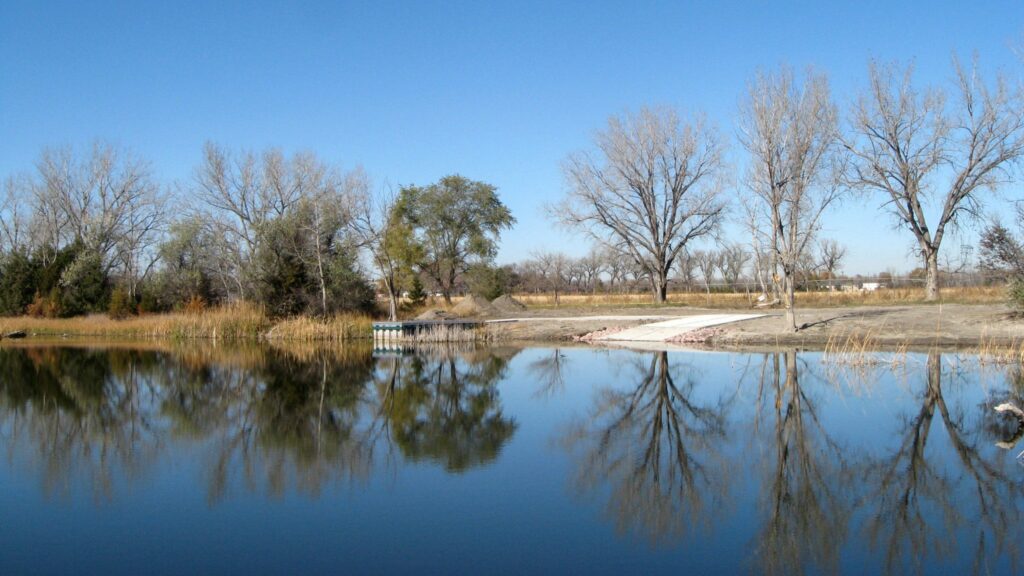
{"type": "Point", "coordinates": [411, 91]}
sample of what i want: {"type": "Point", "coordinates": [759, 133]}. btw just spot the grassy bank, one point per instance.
{"type": "Point", "coordinates": [235, 322]}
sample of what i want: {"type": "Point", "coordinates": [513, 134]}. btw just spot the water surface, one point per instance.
{"type": "Point", "coordinates": [503, 460]}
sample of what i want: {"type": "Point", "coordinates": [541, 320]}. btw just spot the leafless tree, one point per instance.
{"type": "Point", "coordinates": [789, 128]}
{"type": "Point", "coordinates": [382, 235]}
{"type": "Point", "coordinates": [686, 265]}
{"type": "Point", "coordinates": [734, 261]}
{"type": "Point", "coordinates": [326, 209]}
{"type": "Point", "coordinates": [98, 200]}
{"type": "Point", "coordinates": [245, 192]}
{"type": "Point", "coordinates": [591, 267]}
{"type": "Point", "coordinates": [554, 269]}
{"type": "Point", "coordinates": [830, 257]}
{"type": "Point", "coordinates": [708, 261]}
{"type": "Point", "coordinates": [15, 230]}
{"type": "Point", "coordinates": [653, 185]}
{"type": "Point", "coordinates": [913, 149]}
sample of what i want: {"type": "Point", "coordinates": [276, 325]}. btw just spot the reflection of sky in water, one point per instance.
{"type": "Point", "coordinates": [505, 461]}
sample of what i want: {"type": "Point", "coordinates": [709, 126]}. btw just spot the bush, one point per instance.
{"type": "Point", "coordinates": [121, 305]}
{"type": "Point", "coordinates": [195, 305]}
{"type": "Point", "coordinates": [83, 285]}
{"type": "Point", "coordinates": [1016, 293]}
{"type": "Point", "coordinates": [18, 275]}
{"type": "Point", "coordinates": [45, 306]}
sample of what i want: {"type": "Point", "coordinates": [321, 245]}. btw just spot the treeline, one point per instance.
{"type": "Point", "coordinates": [298, 235]}
{"type": "Point", "coordinates": [97, 232]}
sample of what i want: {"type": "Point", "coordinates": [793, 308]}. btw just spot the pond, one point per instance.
{"type": "Point", "coordinates": [249, 460]}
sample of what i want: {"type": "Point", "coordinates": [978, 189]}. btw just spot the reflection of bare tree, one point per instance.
{"type": "Point", "coordinates": [915, 494]}
{"type": "Point", "coordinates": [657, 447]}
{"type": "Point", "coordinates": [806, 492]}
{"type": "Point", "coordinates": [549, 372]}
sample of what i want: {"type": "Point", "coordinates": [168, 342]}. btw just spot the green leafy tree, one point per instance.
{"type": "Point", "coordinates": [83, 285]}
{"type": "Point", "coordinates": [417, 295]}
{"type": "Point", "coordinates": [487, 281]}
{"type": "Point", "coordinates": [18, 274]}
{"type": "Point", "coordinates": [457, 222]}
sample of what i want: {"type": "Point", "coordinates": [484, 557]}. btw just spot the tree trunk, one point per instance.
{"type": "Point", "coordinates": [931, 279]}
{"type": "Point", "coordinates": [392, 299]}
{"type": "Point", "coordinates": [790, 294]}
{"type": "Point", "coordinates": [392, 306]}
{"type": "Point", "coordinates": [659, 288]}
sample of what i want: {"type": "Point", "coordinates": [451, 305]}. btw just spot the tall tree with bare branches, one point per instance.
{"type": "Point", "coordinates": [926, 156]}
{"type": "Point", "coordinates": [652, 185]}
{"type": "Point", "coordinates": [789, 129]}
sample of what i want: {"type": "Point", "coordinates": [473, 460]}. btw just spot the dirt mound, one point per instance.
{"type": "Point", "coordinates": [507, 304]}
{"type": "Point", "coordinates": [435, 314]}
{"type": "Point", "coordinates": [473, 306]}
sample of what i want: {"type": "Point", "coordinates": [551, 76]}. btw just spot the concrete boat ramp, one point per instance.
{"type": "Point", "coordinates": [667, 329]}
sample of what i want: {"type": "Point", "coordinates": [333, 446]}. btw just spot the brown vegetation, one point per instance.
{"type": "Point", "coordinates": [237, 321]}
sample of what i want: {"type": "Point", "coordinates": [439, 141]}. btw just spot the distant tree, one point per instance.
{"type": "Point", "coordinates": [910, 146]}
{"type": "Point", "coordinates": [653, 185]}
{"type": "Point", "coordinates": [830, 258]}
{"type": "Point", "coordinates": [686, 264]}
{"type": "Point", "coordinates": [708, 262]}
{"type": "Point", "coordinates": [457, 221]}
{"type": "Point", "coordinates": [553, 268]}
{"type": "Point", "coordinates": [734, 261]}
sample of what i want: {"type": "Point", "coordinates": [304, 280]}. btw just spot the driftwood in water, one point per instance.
{"type": "Point", "coordinates": [15, 334]}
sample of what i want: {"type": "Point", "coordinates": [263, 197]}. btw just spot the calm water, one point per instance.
{"type": "Point", "coordinates": [503, 460]}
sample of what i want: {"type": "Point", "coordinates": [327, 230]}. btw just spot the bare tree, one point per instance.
{"type": "Point", "coordinates": [830, 257]}
{"type": "Point", "coordinates": [686, 265]}
{"type": "Point", "coordinates": [97, 200]}
{"type": "Point", "coordinates": [554, 269]}
{"type": "Point", "coordinates": [653, 185]}
{"type": "Point", "coordinates": [911, 148]}
{"type": "Point", "coordinates": [591, 267]}
{"type": "Point", "coordinates": [386, 239]}
{"type": "Point", "coordinates": [325, 209]}
{"type": "Point", "coordinates": [708, 261]}
{"type": "Point", "coordinates": [790, 131]}
{"type": "Point", "coordinates": [734, 261]}
{"type": "Point", "coordinates": [15, 231]}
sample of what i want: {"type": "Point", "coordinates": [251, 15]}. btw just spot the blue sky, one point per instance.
{"type": "Point", "coordinates": [411, 91]}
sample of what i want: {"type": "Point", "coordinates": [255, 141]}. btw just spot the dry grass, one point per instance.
{"type": "Point", "coordinates": [233, 322]}
{"type": "Point", "coordinates": [991, 351]}
{"type": "Point", "coordinates": [335, 329]}
{"type": "Point", "coordinates": [819, 299]}
{"type": "Point", "coordinates": [862, 349]}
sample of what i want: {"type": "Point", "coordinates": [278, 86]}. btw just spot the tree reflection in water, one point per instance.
{"type": "Point", "coordinates": [277, 418]}
{"type": "Point", "coordinates": [805, 494]}
{"type": "Point", "coordinates": [658, 449]}
{"type": "Point", "coordinates": [923, 504]}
